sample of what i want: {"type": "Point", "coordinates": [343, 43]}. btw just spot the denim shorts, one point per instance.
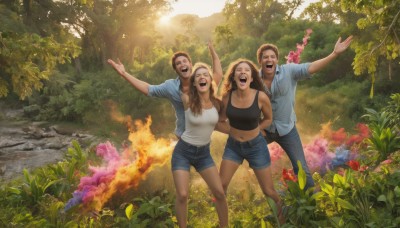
{"type": "Point", "coordinates": [255, 151]}
{"type": "Point", "coordinates": [185, 155]}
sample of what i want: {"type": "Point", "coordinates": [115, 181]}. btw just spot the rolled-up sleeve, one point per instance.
{"type": "Point", "coordinates": [299, 71]}
{"type": "Point", "coordinates": [158, 90]}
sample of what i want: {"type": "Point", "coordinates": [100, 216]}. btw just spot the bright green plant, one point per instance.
{"type": "Point", "coordinates": [148, 213]}
{"type": "Point", "coordinates": [33, 188]}
{"type": "Point", "coordinates": [393, 110]}
{"type": "Point", "coordinates": [302, 209]}
{"type": "Point", "coordinates": [383, 139]}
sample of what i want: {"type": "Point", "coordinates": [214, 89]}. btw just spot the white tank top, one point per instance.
{"type": "Point", "coordinates": [198, 129]}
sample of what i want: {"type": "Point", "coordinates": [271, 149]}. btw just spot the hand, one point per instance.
{"type": "Point", "coordinates": [118, 66]}
{"type": "Point", "coordinates": [342, 46]}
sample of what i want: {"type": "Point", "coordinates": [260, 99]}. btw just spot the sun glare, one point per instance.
{"type": "Point", "coordinates": [164, 20]}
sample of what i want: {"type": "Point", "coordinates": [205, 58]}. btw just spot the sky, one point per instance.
{"type": "Point", "coordinates": [203, 8]}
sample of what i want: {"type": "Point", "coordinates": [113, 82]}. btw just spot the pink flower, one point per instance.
{"type": "Point", "coordinates": [294, 57]}
{"type": "Point", "coordinates": [387, 161]}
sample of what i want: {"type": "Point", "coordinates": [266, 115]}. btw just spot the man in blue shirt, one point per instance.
{"type": "Point", "coordinates": [172, 88]}
{"type": "Point", "coordinates": [280, 85]}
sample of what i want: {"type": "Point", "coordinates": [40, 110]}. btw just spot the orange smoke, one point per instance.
{"type": "Point", "coordinates": [137, 160]}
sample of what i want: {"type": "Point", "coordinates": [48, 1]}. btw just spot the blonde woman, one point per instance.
{"type": "Point", "coordinates": [202, 110]}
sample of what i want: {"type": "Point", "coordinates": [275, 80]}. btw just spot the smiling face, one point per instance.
{"type": "Point", "coordinates": [202, 79]}
{"type": "Point", "coordinates": [268, 62]}
{"type": "Point", "coordinates": [243, 75]}
{"type": "Point", "coordinates": [183, 67]}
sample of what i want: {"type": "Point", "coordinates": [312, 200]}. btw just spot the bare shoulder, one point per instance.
{"type": "Point", "coordinates": [263, 97]}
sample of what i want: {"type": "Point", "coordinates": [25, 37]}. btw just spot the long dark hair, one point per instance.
{"type": "Point", "coordinates": [230, 83]}
{"type": "Point", "coordinates": [194, 98]}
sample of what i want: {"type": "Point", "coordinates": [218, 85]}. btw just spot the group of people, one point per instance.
{"type": "Point", "coordinates": [257, 108]}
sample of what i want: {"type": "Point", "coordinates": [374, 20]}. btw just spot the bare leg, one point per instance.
{"type": "Point", "coordinates": [226, 172]}
{"type": "Point", "coordinates": [210, 176]}
{"type": "Point", "coordinates": [264, 177]}
{"type": "Point", "coordinates": [181, 180]}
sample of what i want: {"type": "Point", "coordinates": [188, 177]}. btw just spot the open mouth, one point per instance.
{"type": "Point", "coordinates": [269, 66]}
{"type": "Point", "coordinates": [185, 69]}
{"type": "Point", "coordinates": [202, 83]}
{"type": "Point", "coordinates": [243, 79]}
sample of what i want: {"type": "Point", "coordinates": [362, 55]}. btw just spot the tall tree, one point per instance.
{"type": "Point", "coordinates": [117, 28]}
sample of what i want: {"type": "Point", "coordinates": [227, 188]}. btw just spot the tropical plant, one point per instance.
{"type": "Point", "coordinates": [393, 111]}
{"type": "Point", "coordinates": [152, 212]}
{"type": "Point", "coordinates": [383, 138]}
{"type": "Point", "coordinates": [302, 207]}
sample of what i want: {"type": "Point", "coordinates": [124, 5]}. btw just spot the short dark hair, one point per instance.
{"type": "Point", "coordinates": [265, 47]}
{"type": "Point", "coordinates": [176, 55]}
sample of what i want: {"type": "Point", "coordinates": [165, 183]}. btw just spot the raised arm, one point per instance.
{"type": "Point", "coordinates": [339, 48]}
{"type": "Point", "coordinates": [216, 64]}
{"type": "Point", "coordinates": [140, 85]}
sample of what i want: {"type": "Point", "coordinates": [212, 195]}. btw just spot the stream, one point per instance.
{"type": "Point", "coordinates": [28, 145]}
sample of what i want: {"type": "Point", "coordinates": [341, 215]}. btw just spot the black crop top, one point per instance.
{"type": "Point", "coordinates": [245, 119]}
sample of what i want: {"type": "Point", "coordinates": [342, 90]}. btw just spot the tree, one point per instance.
{"type": "Point", "coordinates": [253, 16]}
{"type": "Point", "coordinates": [224, 36]}
{"type": "Point", "coordinates": [380, 40]}
{"type": "Point", "coordinates": [27, 58]}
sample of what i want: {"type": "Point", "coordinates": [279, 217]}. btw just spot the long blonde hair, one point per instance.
{"type": "Point", "coordinates": [194, 98]}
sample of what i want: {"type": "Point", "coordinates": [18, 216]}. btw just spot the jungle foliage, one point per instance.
{"type": "Point", "coordinates": [53, 53]}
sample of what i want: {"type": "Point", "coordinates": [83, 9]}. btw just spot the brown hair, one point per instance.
{"type": "Point", "coordinates": [265, 47]}
{"type": "Point", "coordinates": [230, 83]}
{"type": "Point", "coordinates": [194, 98]}
{"type": "Point", "coordinates": [176, 55]}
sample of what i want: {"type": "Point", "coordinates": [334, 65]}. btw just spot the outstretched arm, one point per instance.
{"type": "Point", "coordinates": [339, 48]}
{"type": "Point", "coordinates": [138, 84]}
{"type": "Point", "coordinates": [217, 68]}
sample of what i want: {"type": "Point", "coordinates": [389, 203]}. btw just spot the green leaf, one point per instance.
{"type": "Point", "coordinates": [317, 196]}
{"type": "Point", "coordinates": [345, 204]}
{"type": "Point", "coordinates": [301, 176]}
{"type": "Point", "coordinates": [382, 198]}
{"type": "Point", "coordinates": [338, 179]}
{"type": "Point", "coordinates": [327, 188]}
{"type": "Point", "coordinates": [397, 191]}
{"type": "Point", "coordinates": [129, 211]}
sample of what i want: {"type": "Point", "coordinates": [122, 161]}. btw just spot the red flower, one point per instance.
{"type": "Point", "coordinates": [354, 165]}
{"type": "Point", "coordinates": [289, 175]}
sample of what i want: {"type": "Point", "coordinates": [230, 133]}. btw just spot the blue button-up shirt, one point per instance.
{"type": "Point", "coordinates": [170, 89]}
{"type": "Point", "coordinates": [282, 95]}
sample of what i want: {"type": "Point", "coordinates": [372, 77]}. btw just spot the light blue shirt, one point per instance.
{"type": "Point", "coordinates": [282, 95]}
{"type": "Point", "coordinates": [170, 89]}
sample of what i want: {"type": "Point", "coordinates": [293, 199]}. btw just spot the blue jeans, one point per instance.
{"type": "Point", "coordinates": [293, 147]}
{"type": "Point", "coordinates": [255, 151]}
{"type": "Point", "coordinates": [186, 155]}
